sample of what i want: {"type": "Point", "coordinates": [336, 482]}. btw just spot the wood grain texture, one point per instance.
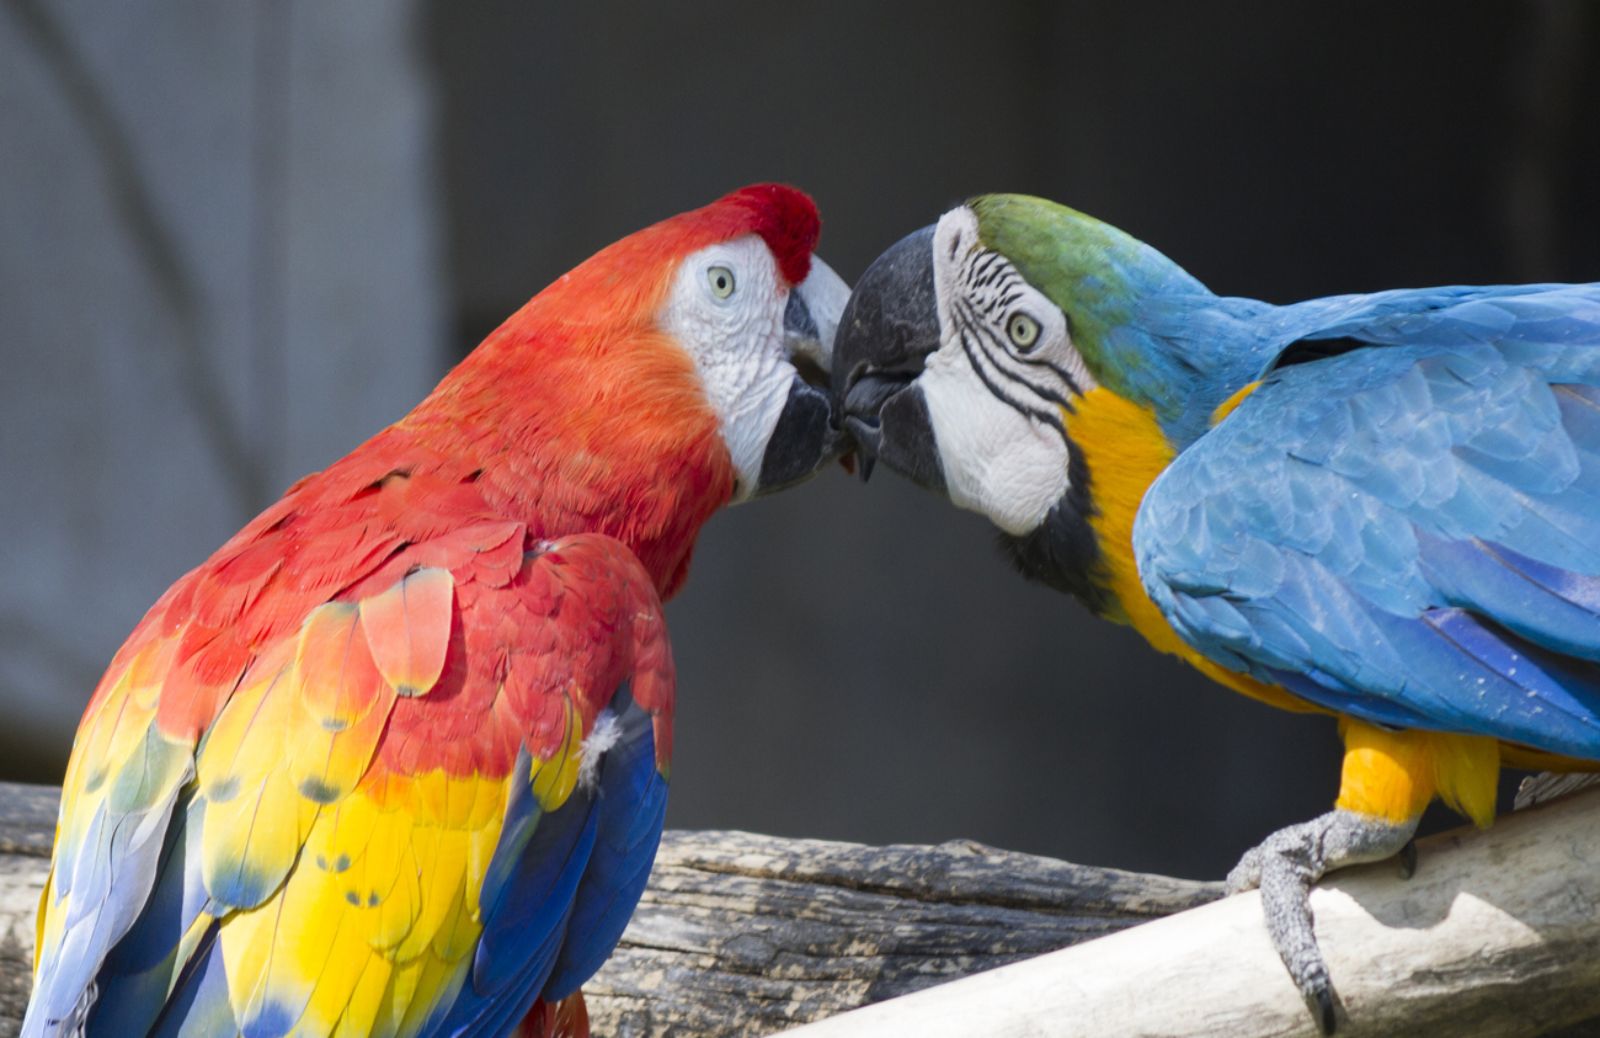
{"type": "Point", "coordinates": [740, 934]}
{"type": "Point", "coordinates": [1498, 934]}
{"type": "Point", "coordinates": [27, 827]}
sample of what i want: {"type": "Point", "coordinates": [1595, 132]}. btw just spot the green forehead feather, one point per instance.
{"type": "Point", "coordinates": [1096, 274]}
{"type": "Point", "coordinates": [1055, 247]}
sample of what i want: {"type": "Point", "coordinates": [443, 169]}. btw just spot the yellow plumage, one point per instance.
{"type": "Point", "coordinates": [1392, 775]}
{"type": "Point", "coordinates": [380, 911]}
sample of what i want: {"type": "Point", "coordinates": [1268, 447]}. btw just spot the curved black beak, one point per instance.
{"type": "Point", "coordinates": [888, 329]}
{"type": "Point", "coordinates": [807, 435]}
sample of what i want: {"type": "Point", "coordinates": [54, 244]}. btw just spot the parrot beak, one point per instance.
{"type": "Point", "coordinates": [888, 329]}
{"type": "Point", "coordinates": [807, 435]}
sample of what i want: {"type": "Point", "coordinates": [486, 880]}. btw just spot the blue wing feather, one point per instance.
{"type": "Point", "coordinates": [1408, 533]}
{"type": "Point", "coordinates": [110, 879]}
{"type": "Point", "coordinates": [632, 804]}
{"type": "Point", "coordinates": [562, 885]}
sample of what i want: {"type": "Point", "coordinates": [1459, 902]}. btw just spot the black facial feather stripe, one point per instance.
{"type": "Point", "coordinates": [1062, 373]}
{"type": "Point", "coordinates": [968, 319]}
{"type": "Point", "coordinates": [998, 352]}
{"type": "Point", "coordinates": [986, 269]}
{"type": "Point", "coordinates": [988, 304]}
{"type": "Point", "coordinates": [1037, 414]}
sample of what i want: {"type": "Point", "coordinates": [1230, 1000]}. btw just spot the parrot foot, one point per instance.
{"type": "Point", "coordinates": [1286, 864]}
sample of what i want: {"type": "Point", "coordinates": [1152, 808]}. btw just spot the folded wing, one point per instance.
{"type": "Point", "coordinates": [409, 800]}
{"type": "Point", "coordinates": [1408, 531]}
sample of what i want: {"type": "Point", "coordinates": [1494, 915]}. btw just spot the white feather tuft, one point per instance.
{"type": "Point", "coordinates": [604, 735]}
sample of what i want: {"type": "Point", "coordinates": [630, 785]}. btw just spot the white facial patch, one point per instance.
{"type": "Point", "coordinates": [726, 308]}
{"type": "Point", "coordinates": [998, 385]}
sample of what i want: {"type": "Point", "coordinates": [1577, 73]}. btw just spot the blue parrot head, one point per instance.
{"type": "Point", "coordinates": [968, 348]}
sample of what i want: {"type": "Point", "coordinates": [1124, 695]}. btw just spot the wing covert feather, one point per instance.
{"type": "Point", "coordinates": [1408, 533]}
{"type": "Point", "coordinates": [290, 795]}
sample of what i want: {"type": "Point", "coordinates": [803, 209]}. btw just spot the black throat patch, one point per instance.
{"type": "Point", "coordinates": [1063, 552]}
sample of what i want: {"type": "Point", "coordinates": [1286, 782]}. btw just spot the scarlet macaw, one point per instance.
{"type": "Point", "coordinates": [394, 760]}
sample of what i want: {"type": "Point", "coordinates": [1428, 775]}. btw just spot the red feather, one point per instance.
{"type": "Point", "coordinates": [469, 584]}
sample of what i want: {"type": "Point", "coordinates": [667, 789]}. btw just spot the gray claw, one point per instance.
{"type": "Point", "coordinates": [1323, 997]}
{"type": "Point", "coordinates": [1285, 866]}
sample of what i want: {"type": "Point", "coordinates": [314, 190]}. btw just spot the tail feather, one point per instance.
{"type": "Point", "coordinates": [568, 1018]}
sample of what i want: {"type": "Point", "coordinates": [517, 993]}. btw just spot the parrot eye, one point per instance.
{"type": "Point", "coordinates": [721, 281]}
{"type": "Point", "coordinates": [1022, 330]}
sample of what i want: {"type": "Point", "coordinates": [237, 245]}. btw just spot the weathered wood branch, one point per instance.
{"type": "Point", "coordinates": [738, 934]}
{"type": "Point", "coordinates": [1498, 934]}
{"type": "Point", "coordinates": [741, 934]}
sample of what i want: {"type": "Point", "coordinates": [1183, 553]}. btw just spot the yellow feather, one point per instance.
{"type": "Point", "coordinates": [432, 981]}
{"type": "Point", "coordinates": [247, 945]}
{"type": "Point", "coordinates": [1124, 451]}
{"type": "Point", "coordinates": [481, 843]}
{"type": "Point", "coordinates": [1394, 774]}
{"type": "Point", "coordinates": [442, 873]}
{"type": "Point", "coordinates": [218, 763]}
{"type": "Point", "coordinates": [43, 928]}
{"type": "Point", "coordinates": [325, 764]}
{"type": "Point", "coordinates": [1467, 771]}
{"type": "Point", "coordinates": [397, 910]}
{"type": "Point", "coordinates": [366, 1000]}
{"type": "Point", "coordinates": [555, 777]}
{"type": "Point", "coordinates": [432, 797]}
{"type": "Point", "coordinates": [1228, 406]}
{"type": "Point", "coordinates": [373, 926]}
{"type": "Point", "coordinates": [256, 834]}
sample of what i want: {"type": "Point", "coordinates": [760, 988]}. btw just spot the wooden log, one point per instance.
{"type": "Point", "coordinates": [1498, 934]}
{"type": "Point", "coordinates": [740, 934]}
{"type": "Point", "coordinates": [27, 827]}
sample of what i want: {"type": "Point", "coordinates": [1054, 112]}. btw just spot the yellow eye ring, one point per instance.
{"type": "Point", "coordinates": [721, 281]}
{"type": "Point", "coordinates": [1022, 330]}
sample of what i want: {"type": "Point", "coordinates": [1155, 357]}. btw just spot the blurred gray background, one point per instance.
{"type": "Point", "coordinates": [236, 238]}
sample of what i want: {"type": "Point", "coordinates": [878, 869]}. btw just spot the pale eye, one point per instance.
{"type": "Point", "coordinates": [1022, 330]}
{"type": "Point", "coordinates": [721, 281]}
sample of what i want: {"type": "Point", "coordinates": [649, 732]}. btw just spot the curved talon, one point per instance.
{"type": "Point", "coordinates": [1286, 864]}
{"type": "Point", "coordinates": [1324, 1009]}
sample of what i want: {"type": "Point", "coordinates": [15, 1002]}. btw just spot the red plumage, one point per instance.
{"type": "Point", "coordinates": [468, 589]}
{"type": "Point", "coordinates": [575, 415]}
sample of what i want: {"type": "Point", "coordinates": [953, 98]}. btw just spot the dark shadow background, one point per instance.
{"type": "Point", "coordinates": [859, 663]}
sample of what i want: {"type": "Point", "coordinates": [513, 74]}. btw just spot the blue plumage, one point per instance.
{"type": "Point", "coordinates": [631, 809]}
{"type": "Point", "coordinates": [1407, 532]}
{"type": "Point", "coordinates": [1384, 505]}
{"type": "Point", "coordinates": [562, 885]}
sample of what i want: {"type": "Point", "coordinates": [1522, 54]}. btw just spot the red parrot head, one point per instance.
{"type": "Point", "coordinates": [757, 312]}
{"type": "Point", "coordinates": [679, 369]}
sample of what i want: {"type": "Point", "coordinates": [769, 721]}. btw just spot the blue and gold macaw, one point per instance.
{"type": "Point", "coordinates": [1385, 507]}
